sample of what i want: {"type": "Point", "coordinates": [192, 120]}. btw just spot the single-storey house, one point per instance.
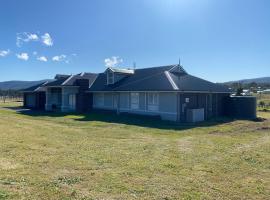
{"type": "Point", "coordinates": [166, 91]}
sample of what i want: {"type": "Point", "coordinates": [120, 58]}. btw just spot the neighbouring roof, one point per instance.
{"type": "Point", "coordinates": [164, 78]}
{"type": "Point", "coordinates": [71, 80]}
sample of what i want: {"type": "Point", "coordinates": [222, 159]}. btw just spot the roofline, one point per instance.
{"type": "Point", "coordinates": [175, 91]}
{"type": "Point", "coordinates": [61, 86]}
{"type": "Point", "coordinates": [31, 91]}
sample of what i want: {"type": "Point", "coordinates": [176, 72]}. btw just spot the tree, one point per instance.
{"type": "Point", "coordinates": [262, 104]}
{"type": "Point", "coordinates": [239, 91]}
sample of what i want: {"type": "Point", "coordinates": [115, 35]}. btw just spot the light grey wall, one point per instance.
{"type": "Point", "coordinates": [167, 104]}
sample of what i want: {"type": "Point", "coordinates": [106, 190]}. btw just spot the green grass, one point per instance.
{"type": "Point", "coordinates": [104, 156]}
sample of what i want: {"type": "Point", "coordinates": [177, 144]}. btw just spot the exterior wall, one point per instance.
{"type": "Point", "coordinates": [30, 100]}
{"type": "Point", "coordinates": [167, 106]}
{"type": "Point", "coordinates": [65, 105]}
{"type": "Point", "coordinates": [212, 103]}
{"type": "Point", "coordinates": [34, 100]}
{"type": "Point", "coordinates": [58, 98]}
{"type": "Point", "coordinates": [53, 99]}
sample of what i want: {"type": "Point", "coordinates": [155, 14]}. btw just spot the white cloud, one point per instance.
{"type": "Point", "coordinates": [46, 39]}
{"type": "Point", "coordinates": [59, 58]}
{"type": "Point", "coordinates": [26, 37]}
{"type": "Point", "coordinates": [113, 61]}
{"type": "Point", "coordinates": [23, 56]}
{"type": "Point", "coordinates": [4, 53]}
{"type": "Point", "coordinates": [42, 58]}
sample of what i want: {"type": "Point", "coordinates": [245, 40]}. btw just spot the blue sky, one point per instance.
{"type": "Point", "coordinates": [218, 40]}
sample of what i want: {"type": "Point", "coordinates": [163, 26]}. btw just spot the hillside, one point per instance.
{"type": "Point", "coordinates": [18, 85]}
{"type": "Point", "coordinates": [262, 80]}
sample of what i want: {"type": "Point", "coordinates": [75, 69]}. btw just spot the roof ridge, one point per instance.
{"type": "Point", "coordinates": [175, 87]}
{"type": "Point", "coordinates": [157, 67]}
{"type": "Point", "coordinates": [69, 78]}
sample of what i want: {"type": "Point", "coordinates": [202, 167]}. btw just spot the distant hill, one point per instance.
{"type": "Point", "coordinates": [263, 80]}
{"type": "Point", "coordinates": [18, 85]}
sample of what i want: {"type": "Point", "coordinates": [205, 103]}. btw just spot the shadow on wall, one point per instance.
{"type": "Point", "coordinates": [128, 119]}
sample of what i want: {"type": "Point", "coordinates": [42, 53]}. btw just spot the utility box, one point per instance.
{"type": "Point", "coordinates": [195, 115]}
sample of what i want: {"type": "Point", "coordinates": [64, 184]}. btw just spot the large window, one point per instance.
{"type": "Point", "coordinates": [99, 99]}
{"type": "Point", "coordinates": [134, 101]}
{"type": "Point", "coordinates": [72, 101]}
{"type": "Point", "coordinates": [153, 101]}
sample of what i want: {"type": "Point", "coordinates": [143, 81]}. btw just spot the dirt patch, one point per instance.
{"type": "Point", "coordinates": [264, 128]}
{"type": "Point", "coordinates": [185, 144]}
{"type": "Point", "coordinates": [7, 165]}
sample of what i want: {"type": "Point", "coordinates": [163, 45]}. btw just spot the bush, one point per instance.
{"type": "Point", "coordinates": [262, 104]}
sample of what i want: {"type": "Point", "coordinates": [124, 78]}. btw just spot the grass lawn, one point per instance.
{"type": "Point", "coordinates": [101, 156]}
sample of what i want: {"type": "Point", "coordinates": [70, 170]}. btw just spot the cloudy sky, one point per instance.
{"type": "Point", "coordinates": [216, 40]}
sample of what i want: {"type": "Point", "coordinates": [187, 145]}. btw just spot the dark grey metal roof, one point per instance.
{"type": "Point", "coordinates": [71, 80]}
{"type": "Point", "coordinates": [165, 78]}
{"type": "Point", "coordinates": [35, 88]}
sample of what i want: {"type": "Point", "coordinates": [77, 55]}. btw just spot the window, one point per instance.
{"type": "Point", "coordinates": [72, 101]}
{"type": "Point", "coordinates": [153, 101]}
{"type": "Point", "coordinates": [99, 99]}
{"type": "Point", "coordinates": [135, 101]}
{"type": "Point", "coordinates": [110, 78]}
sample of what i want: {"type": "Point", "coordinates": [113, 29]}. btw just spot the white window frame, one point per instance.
{"type": "Point", "coordinates": [72, 101]}
{"type": "Point", "coordinates": [99, 99]}
{"type": "Point", "coordinates": [134, 100]}
{"type": "Point", "coordinates": [153, 101]}
{"type": "Point", "coordinates": [110, 80]}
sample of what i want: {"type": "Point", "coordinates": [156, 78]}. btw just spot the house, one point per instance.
{"type": "Point", "coordinates": [68, 92]}
{"type": "Point", "coordinates": [65, 93]}
{"type": "Point", "coordinates": [166, 91]}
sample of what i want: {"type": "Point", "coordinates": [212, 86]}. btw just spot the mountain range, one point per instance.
{"type": "Point", "coordinates": [19, 85]}
{"type": "Point", "coordinates": [262, 80]}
